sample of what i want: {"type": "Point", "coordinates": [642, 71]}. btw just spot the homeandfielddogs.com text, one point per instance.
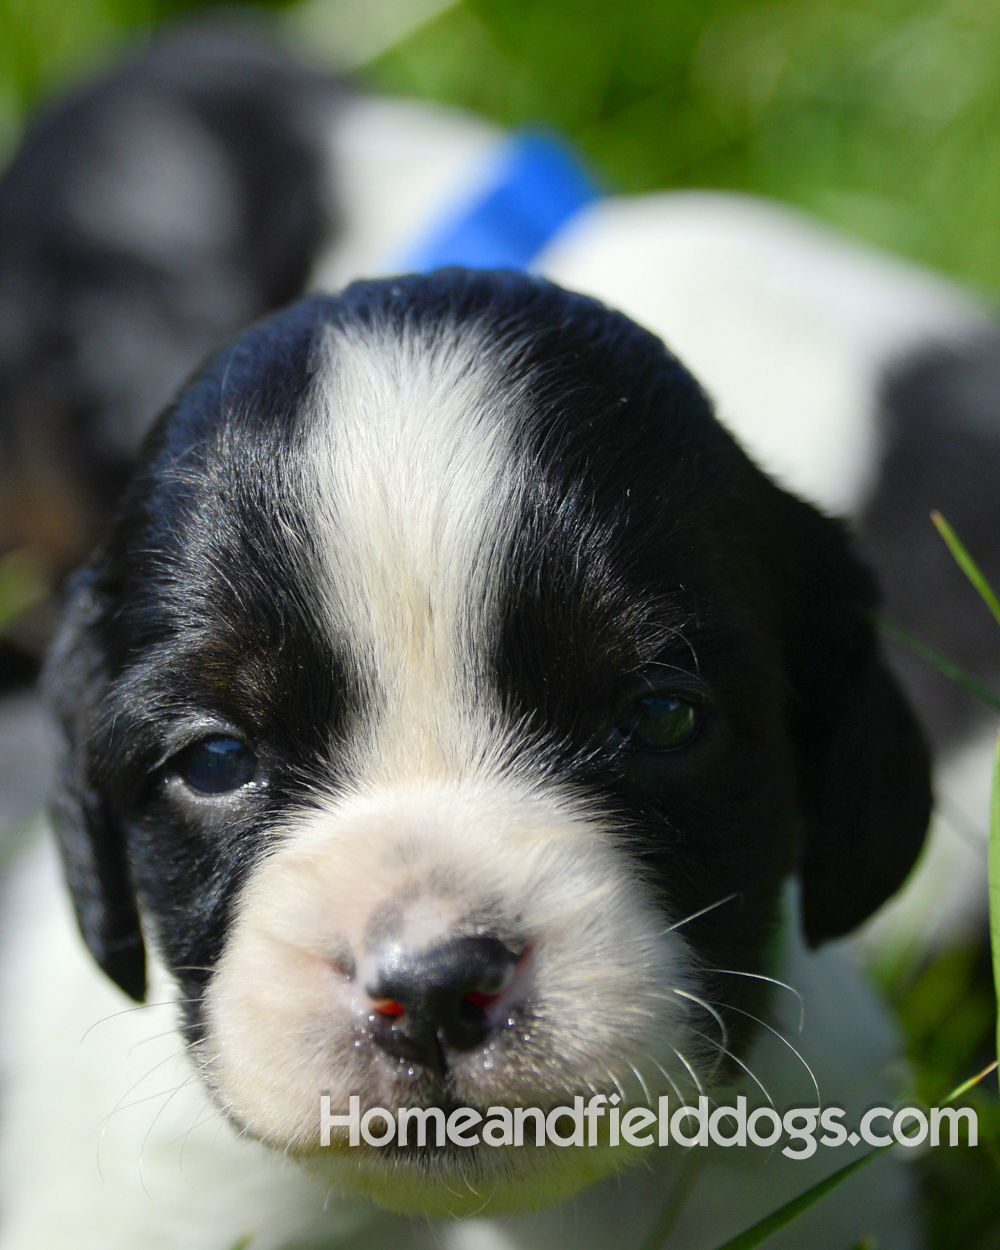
{"type": "Point", "coordinates": [601, 1120]}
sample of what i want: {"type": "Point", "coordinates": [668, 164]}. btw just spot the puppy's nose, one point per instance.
{"type": "Point", "coordinates": [433, 1001]}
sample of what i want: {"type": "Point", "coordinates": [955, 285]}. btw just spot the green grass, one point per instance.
{"type": "Point", "coordinates": [880, 116]}
{"type": "Point", "coordinates": [23, 583]}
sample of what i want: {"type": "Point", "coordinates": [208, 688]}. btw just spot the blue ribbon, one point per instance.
{"type": "Point", "coordinates": [537, 185]}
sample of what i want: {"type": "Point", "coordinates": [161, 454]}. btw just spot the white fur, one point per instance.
{"type": "Point", "coordinates": [416, 497]}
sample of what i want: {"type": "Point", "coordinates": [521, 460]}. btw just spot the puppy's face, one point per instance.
{"type": "Point", "coordinates": [450, 701]}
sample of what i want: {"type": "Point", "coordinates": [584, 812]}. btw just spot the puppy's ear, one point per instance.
{"type": "Point", "coordinates": [93, 846]}
{"type": "Point", "coordinates": [863, 768]}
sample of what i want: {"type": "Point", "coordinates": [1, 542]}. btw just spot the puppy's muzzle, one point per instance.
{"type": "Point", "coordinates": [432, 1005]}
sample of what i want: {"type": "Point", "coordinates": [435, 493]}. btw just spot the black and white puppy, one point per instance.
{"type": "Point", "coordinates": [446, 708]}
{"type": "Point", "coordinates": [444, 645]}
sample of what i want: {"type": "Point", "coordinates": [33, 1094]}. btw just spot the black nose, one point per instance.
{"type": "Point", "coordinates": [433, 1001]}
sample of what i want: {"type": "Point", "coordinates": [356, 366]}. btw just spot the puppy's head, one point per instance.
{"type": "Point", "coordinates": [450, 701]}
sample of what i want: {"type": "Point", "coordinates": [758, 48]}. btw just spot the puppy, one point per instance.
{"type": "Point", "coordinates": [444, 711]}
{"type": "Point", "coordinates": [446, 646]}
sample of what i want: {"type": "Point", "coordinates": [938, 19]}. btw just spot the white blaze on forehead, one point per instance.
{"type": "Point", "coordinates": [416, 489]}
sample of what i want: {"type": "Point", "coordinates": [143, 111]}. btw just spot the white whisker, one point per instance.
{"type": "Point", "coordinates": [785, 1042]}
{"type": "Point", "coordinates": [120, 1105]}
{"type": "Point", "coordinates": [691, 1072]}
{"type": "Point", "coordinates": [739, 1062]}
{"type": "Point", "coordinates": [187, 1081]}
{"type": "Point", "coordinates": [127, 1011]}
{"type": "Point", "coordinates": [642, 1083]}
{"type": "Point", "coordinates": [760, 976]}
{"type": "Point", "coordinates": [707, 1007]}
{"type": "Point", "coordinates": [664, 1073]}
{"type": "Point", "coordinates": [694, 915]}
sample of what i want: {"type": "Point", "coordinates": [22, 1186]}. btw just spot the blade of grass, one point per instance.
{"type": "Point", "coordinates": [764, 1229]}
{"type": "Point", "coordinates": [773, 1223]}
{"type": "Point", "coordinates": [968, 566]}
{"type": "Point", "coordinates": [954, 672]}
{"type": "Point", "coordinates": [966, 563]}
{"type": "Point", "coordinates": [994, 877]}
{"type": "Point", "coordinates": [964, 1088]}
{"type": "Point", "coordinates": [671, 1209]}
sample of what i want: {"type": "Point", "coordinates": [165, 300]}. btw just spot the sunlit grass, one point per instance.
{"type": "Point", "coordinates": [879, 115]}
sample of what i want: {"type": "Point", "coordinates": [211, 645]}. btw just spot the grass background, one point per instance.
{"type": "Point", "coordinates": [880, 116]}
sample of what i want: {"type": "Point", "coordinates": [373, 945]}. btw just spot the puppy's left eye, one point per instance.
{"type": "Point", "coordinates": [217, 765]}
{"type": "Point", "coordinates": [656, 722]}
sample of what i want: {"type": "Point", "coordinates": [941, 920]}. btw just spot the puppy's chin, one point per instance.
{"type": "Point", "coordinates": [459, 1183]}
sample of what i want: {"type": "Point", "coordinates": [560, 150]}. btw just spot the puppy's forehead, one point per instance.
{"type": "Point", "coordinates": [443, 493]}
{"type": "Point", "coordinates": [413, 490]}
{"type": "Point", "coordinates": [415, 482]}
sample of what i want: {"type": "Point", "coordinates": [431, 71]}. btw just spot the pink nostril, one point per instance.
{"type": "Point", "coordinates": [478, 999]}
{"type": "Point", "coordinates": [388, 1007]}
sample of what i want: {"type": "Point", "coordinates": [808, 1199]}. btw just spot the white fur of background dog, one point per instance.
{"type": "Point", "coordinates": [775, 317]}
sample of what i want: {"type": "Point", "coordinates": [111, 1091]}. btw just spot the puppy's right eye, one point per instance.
{"type": "Point", "coordinates": [657, 722]}
{"type": "Point", "coordinates": [217, 765]}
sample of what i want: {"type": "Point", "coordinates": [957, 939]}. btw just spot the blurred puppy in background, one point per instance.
{"type": "Point", "coordinates": [438, 611]}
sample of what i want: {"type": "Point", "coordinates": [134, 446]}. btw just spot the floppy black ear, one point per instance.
{"type": "Point", "coordinates": [863, 768]}
{"type": "Point", "coordinates": [93, 847]}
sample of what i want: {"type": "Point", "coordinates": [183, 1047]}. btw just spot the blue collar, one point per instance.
{"type": "Point", "coordinates": [535, 187]}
